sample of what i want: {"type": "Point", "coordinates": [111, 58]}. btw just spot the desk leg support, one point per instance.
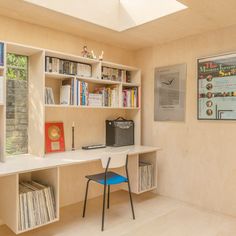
{"type": "Point", "coordinates": [85, 199]}
{"type": "Point", "coordinates": [108, 197]}
{"type": "Point", "coordinates": [104, 205]}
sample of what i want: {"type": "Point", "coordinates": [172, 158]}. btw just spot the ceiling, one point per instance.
{"type": "Point", "coordinates": [118, 15]}
{"type": "Point", "coordinates": [200, 16]}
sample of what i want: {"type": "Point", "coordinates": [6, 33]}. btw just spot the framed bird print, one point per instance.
{"type": "Point", "coordinates": [169, 93]}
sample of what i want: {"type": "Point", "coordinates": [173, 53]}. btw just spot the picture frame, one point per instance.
{"type": "Point", "coordinates": [216, 87]}
{"type": "Point", "coordinates": [170, 93]}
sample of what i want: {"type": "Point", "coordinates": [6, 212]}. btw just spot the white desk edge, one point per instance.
{"type": "Point", "coordinates": [27, 162]}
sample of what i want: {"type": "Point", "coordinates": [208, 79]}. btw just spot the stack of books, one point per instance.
{"type": "Point", "coordinates": [56, 65]}
{"type": "Point", "coordinates": [36, 205]}
{"type": "Point", "coordinates": [146, 176]}
{"type": "Point", "coordinates": [113, 74]}
{"type": "Point", "coordinates": [49, 98]}
{"type": "Point", "coordinates": [130, 97]}
{"type": "Point", "coordinates": [95, 100]}
{"type": "Point", "coordinates": [110, 96]}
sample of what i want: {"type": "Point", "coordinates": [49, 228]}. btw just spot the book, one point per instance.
{"type": "Point", "coordinates": [49, 97]}
{"type": "Point", "coordinates": [65, 95]}
{"type": "Point", "coordinates": [54, 137]}
{"type": "Point", "coordinates": [1, 54]}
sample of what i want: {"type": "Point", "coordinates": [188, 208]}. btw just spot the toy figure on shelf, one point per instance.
{"type": "Point", "coordinates": [101, 56]}
{"type": "Point", "coordinates": [93, 55]}
{"type": "Point", "coordinates": [85, 52]}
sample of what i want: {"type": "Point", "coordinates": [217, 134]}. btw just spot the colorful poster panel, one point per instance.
{"type": "Point", "coordinates": [217, 88]}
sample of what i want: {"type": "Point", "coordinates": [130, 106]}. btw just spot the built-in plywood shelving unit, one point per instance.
{"type": "Point", "coordinates": [89, 120]}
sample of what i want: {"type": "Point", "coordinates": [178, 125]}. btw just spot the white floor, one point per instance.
{"type": "Point", "coordinates": [155, 216]}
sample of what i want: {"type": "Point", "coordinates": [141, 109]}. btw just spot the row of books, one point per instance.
{"type": "Point", "coordinates": [116, 74]}
{"type": "Point", "coordinates": [36, 205]}
{"type": "Point", "coordinates": [130, 97]}
{"type": "Point", "coordinates": [76, 92]}
{"type": "Point", "coordinates": [61, 66]}
{"type": "Point", "coordinates": [146, 176]}
{"type": "Point", "coordinates": [49, 97]}
{"type": "Point", "coordinates": [1, 54]}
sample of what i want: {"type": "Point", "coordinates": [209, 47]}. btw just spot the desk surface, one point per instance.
{"type": "Point", "coordinates": [27, 162]}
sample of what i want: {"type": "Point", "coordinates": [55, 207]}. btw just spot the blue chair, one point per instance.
{"type": "Point", "coordinates": [108, 178]}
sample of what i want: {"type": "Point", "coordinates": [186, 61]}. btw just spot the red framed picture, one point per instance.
{"type": "Point", "coordinates": [54, 137]}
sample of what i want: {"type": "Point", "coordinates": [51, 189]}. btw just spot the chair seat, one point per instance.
{"type": "Point", "coordinates": [112, 178]}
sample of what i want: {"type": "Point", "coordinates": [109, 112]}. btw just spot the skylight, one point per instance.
{"type": "Point", "coordinates": [118, 15]}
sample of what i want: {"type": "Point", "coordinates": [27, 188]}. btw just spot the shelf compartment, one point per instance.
{"type": "Point", "coordinates": [133, 167]}
{"type": "Point", "coordinates": [47, 177]}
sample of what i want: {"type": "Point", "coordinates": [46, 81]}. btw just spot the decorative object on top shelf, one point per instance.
{"type": "Point", "coordinates": [73, 137]}
{"type": "Point", "coordinates": [1, 54]}
{"type": "Point", "coordinates": [169, 91]}
{"type": "Point", "coordinates": [93, 55]}
{"type": "Point", "coordinates": [54, 137]}
{"type": "Point", "coordinates": [101, 56]}
{"type": "Point", "coordinates": [217, 87]}
{"type": "Point", "coordinates": [85, 52]}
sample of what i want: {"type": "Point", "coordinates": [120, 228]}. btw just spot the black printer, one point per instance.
{"type": "Point", "coordinates": [119, 132]}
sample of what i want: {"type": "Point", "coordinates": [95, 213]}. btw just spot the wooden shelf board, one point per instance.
{"type": "Point", "coordinates": [57, 75]}
{"type": "Point", "coordinates": [147, 190]}
{"type": "Point", "coordinates": [38, 226]}
{"type": "Point", "coordinates": [70, 57]}
{"type": "Point", "coordinates": [97, 81]}
{"type": "Point", "coordinates": [89, 107]}
{"type": "Point", "coordinates": [130, 84]}
{"type": "Point", "coordinates": [119, 66]}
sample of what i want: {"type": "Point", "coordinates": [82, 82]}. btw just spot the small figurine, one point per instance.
{"type": "Point", "coordinates": [93, 55]}
{"type": "Point", "coordinates": [85, 51]}
{"type": "Point", "coordinates": [101, 56]}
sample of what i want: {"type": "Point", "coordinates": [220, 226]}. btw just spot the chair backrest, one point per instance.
{"type": "Point", "coordinates": [117, 158]}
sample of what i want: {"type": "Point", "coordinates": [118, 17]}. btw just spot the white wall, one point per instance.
{"type": "Point", "coordinates": [198, 160]}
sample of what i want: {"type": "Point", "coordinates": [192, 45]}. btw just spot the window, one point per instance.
{"type": "Point", "coordinates": [17, 104]}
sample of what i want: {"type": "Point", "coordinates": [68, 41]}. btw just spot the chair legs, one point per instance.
{"type": "Point", "coordinates": [108, 197]}
{"type": "Point", "coordinates": [85, 199]}
{"type": "Point", "coordinates": [131, 201]}
{"type": "Point", "coordinates": [104, 205]}
{"type": "Point", "coordinates": [108, 201]}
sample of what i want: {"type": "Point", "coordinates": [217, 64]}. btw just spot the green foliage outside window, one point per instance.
{"type": "Point", "coordinates": [16, 66]}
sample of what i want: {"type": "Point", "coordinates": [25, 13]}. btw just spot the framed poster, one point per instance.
{"type": "Point", "coordinates": [169, 93]}
{"type": "Point", "coordinates": [217, 88]}
{"type": "Point", "coordinates": [54, 137]}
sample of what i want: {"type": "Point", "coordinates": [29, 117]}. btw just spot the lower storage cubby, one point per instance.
{"type": "Point", "coordinates": [38, 202]}
{"type": "Point", "coordinates": [142, 172]}
{"type": "Point", "coordinates": [147, 172]}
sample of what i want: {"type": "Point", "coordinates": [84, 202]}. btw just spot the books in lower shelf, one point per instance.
{"type": "Point", "coordinates": [49, 97]}
{"type": "Point", "coordinates": [146, 176]}
{"type": "Point", "coordinates": [130, 97]}
{"type": "Point", "coordinates": [76, 92]}
{"type": "Point", "coordinates": [36, 205]}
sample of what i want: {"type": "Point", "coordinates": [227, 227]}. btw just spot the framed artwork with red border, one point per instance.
{"type": "Point", "coordinates": [54, 137]}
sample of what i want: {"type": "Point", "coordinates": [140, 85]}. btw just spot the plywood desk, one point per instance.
{"type": "Point", "coordinates": [65, 172]}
